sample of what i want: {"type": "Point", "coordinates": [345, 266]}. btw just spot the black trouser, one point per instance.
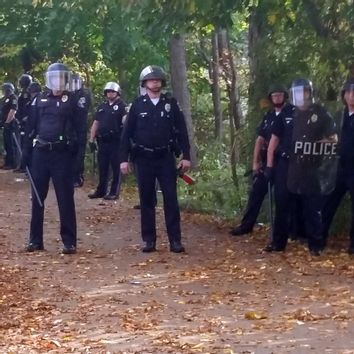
{"type": "Point", "coordinates": [164, 170]}
{"type": "Point", "coordinates": [56, 165]}
{"type": "Point", "coordinates": [108, 156]}
{"type": "Point", "coordinates": [9, 146]}
{"type": "Point", "coordinates": [257, 194]}
{"type": "Point", "coordinates": [344, 184]}
{"type": "Point", "coordinates": [284, 206]}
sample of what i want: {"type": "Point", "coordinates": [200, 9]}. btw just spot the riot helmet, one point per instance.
{"type": "Point", "coordinates": [348, 86]}
{"type": "Point", "coordinates": [34, 88]}
{"type": "Point", "coordinates": [57, 77]}
{"type": "Point", "coordinates": [7, 89]}
{"type": "Point", "coordinates": [152, 72]}
{"type": "Point", "coordinates": [348, 92]}
{"type": "Point", "coordinates": [301, 93]}
{"type": "Point", "coordinates": [24, 81]}
{"type": "Point", "coordinates": [278, 88]}
{"type": "Point", "coordinates": [76, 82]}
{"type": "Point", "coordinates": [111, 86]}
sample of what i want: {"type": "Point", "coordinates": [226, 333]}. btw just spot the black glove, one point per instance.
{"type": "Point", "coordinates": [268, 173]}
{"type": "Point", "coordinates": [92, 146]}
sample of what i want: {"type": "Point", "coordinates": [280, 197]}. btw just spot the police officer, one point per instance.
{"type": "Point", "coordinates": [54, 116]}
{"type": "Point", "coordinates": [154, 124]}
{"type": "Point", "coordinates": [24, 101]}
{"type": "Point", "coordinates": [345, 176]}
{"type": "Point", "coordinates": [277, 95]}
{"type": "Point", "coordinates": [306, 114]}
{"type": "Point", "coordinates": [107, 130]}
{"type": "Point", "coordinates": [84, 101]}
{"type": "Point", "coordinates": [8, 111]}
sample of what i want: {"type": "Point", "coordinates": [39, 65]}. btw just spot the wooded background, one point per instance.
{"type": "Point", "coordinates": [221, 57]}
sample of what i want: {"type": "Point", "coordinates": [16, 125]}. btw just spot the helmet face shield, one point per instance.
{"type": "Point", "coordinates": [57, 80]}
{"type": "Point", "coordinates": [301, 96]}
{"type": "Point", "coordinates": [76, 83]}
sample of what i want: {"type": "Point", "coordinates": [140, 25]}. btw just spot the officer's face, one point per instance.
{"type": "Point", "coordinates": [277, 98]}
{"type": "Point", "coordinates": [111, 95]}
{"type": "Point", "coordinates": [153, 85]}
{"type": "Point", "coordinates": [349, 98]}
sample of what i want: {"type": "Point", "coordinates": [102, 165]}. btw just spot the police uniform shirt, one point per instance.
{"type": "Point", "coordinates": [346, 146]}
{"type": "Point", "coordinates": [24, 103]}
{"type": "Point", "coordinates": [155, 126]}
{"type": "Point", "coordinates": [110, 117]}
{"type": "Point", "coordinates": [283, 129]}
{"type": "Point", "coordinates": [55, 116]}
{"type": "Point", "coordinates": [265, 127]}
{"type": "Point", "coordinates": [8, 103]}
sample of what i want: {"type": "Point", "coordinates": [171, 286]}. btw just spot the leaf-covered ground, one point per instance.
{"type": "Point", "coordinates": [223, 296]}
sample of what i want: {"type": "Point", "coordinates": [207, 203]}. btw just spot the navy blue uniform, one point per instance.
{"type": "Point", "coordinates": [259, 187]}
{"type": "Point", "coordinates": [22, 114]}
{"type": "Point", "coordinates": [149, 137]}
{"type": "Point", "coordinates": [52, 120]}
{"type": "Point", "coordinates": [8, 103]}
{"type": "Point", "coordinates": [110, 125]}
{"type": "Point", "coordinates": [345, 176]}
{"type": "Point", "coordinates": [284, 199]}
{"type": "Point", "coordinates": [83, 105]}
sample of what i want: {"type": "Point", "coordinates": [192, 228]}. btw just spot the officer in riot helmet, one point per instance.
{"type": "Point", "coordinates": [155, 132]}
{"type": "Point", "coordinates": [53, 118]}
{"type": "Point", "coordinates": [345, 175]}
{"type": "Point", "coordinates": [24, 101]}
{"type": "Point", "coordinates": [84, 101]}
{"type": "Point", "coordinates": [34, 89]}
{"type": "Point", "coordinates": [300, 142]}
{"type": "Point", "coordinates": [106, 130]}
{"type": "Point", "coordinates": [9, 104]}
{"type": "Point", "coordinates": [277, 96]}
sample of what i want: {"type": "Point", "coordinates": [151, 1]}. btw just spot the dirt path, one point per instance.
{"type": "Point", "coordinates": [222, 296]}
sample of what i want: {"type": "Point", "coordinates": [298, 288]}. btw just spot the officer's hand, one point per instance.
{"type": "Point", "coordinates": [268, 173]}
{"type": "Point", "coordinates": [92, 146]}
{"type": "Point", "coordinates": [184, 165]}
{"type": "Point", "coordinates": [256, 173]}
{"type": "Point", "coordinates": [125, 168]}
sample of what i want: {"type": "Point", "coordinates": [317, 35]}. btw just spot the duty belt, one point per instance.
{"type": "Point", "coordinates": [152, 152]}
{"type": "Point", "coordinates": [50, 145]}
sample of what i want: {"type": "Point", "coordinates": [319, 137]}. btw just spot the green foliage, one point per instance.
{"type": "Point", "coordinates": [214, 191]}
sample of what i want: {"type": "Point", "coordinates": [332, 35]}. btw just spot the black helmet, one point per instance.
{"type": "Point", "coordinates": [278, 88]}
{"type": "Point", "coordinates": [76, 82]}
{"type": "Point", "coordinates": [57, 77]}
{"type": "Point", "coordinates": [34, 87]}
{"type": "Point", "coordinates": [348, 85]}
{"type": "Point", "coordinates": [301, 93]}
{"type": "Point", "coordinates": [8, 88]}
{"type": "Point", "coordinates": [24, 80]}
{"type": "Point", "coordinates": [152, 72]}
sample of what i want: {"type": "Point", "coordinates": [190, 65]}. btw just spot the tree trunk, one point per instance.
{"type": "Point", "coordinates": [180, 86]}
{"type": "Point", "coordinates": [215, 86]}
{"type": "Point", "coordinates": [235, 113]}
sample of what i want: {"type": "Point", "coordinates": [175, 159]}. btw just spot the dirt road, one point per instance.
{"type": "Point", "coordinates": [223, 296]}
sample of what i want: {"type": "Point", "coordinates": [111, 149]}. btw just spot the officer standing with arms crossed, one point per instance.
{"type": "Point", "coordinates": [345, 176]}
{"type": "Point", "coordinates": [299, 141]}
{"type": "Point", "coordinates": [107, 130]}
{"type": "Point", "coordinates": [8, 111]}
{"type": "Point", "coordinates": [154, 127]}
{"type": "Point", "coordinates": [53, 117]}
{"type": "Point", "coordinates": [277, 95]}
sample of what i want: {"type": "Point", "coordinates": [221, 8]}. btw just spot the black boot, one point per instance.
{"type": "Point", "coordinates": [240, 230]}
{"type": "Point", "coordinates": [150, 246]}
{"type": "Point", "coordinates": [176, 247]}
